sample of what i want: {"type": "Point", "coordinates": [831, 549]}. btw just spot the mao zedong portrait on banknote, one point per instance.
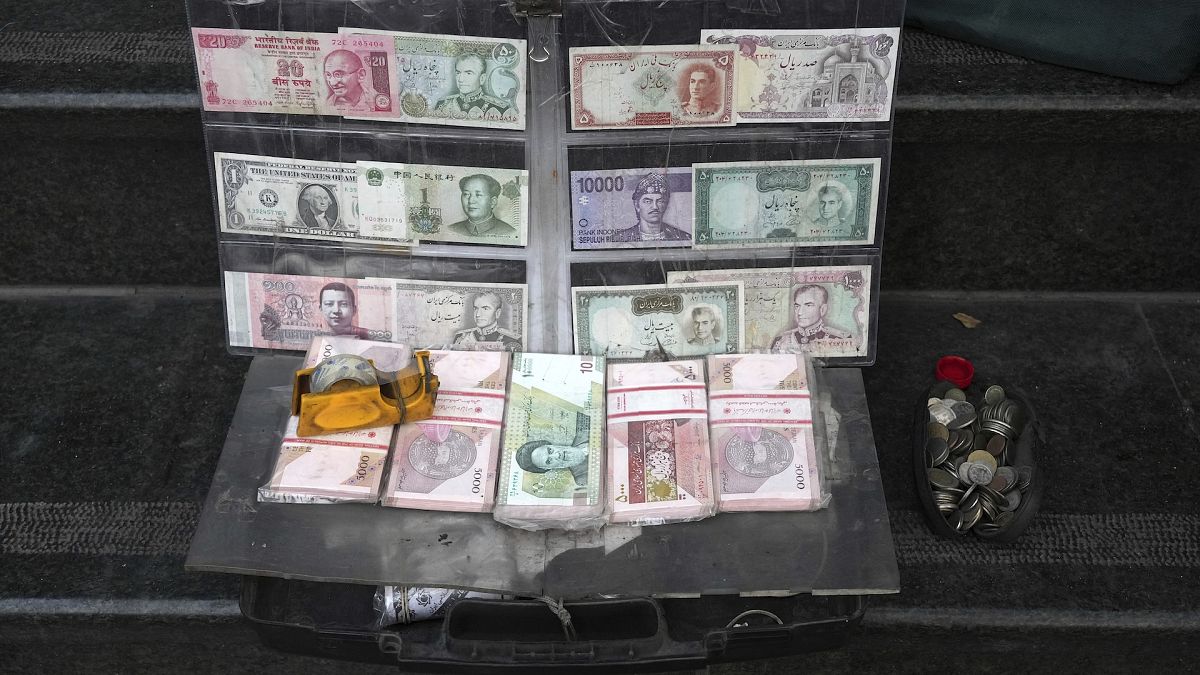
{"type": "Point", "coordinates": [480, 193]}
{"type": "Point", "coordinates": [810, 304]}
{"type": "Point", "coordinates": [340, 308]}
{"type": "Point", "coordinates": [486, 310]}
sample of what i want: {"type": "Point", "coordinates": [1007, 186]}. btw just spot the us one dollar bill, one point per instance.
{"type": "Point", "coordinates": [804, 202]}
{"type": "Point", "coordinates": [456, 315]}
{"type": "Point", "coordinates": [632, 208]}
{"type": "Point", "coordinates": [658, 322]}
{"type": "Point", "coordinates": [658, 451]}
{"type": "Point", "coordinates": [286, 311]}
{"type": "Point", "coordinates": [652, 86]}
{"type": "Point", "coordinates": [840, 75]}
{"type": "Point", "coordinates": [821, 311]}
{"type": "Point", "coordinates": [429, 203]}
{"type": "Point", "coordinates": [760, 418]}
{"type": "Point", "coordinates": [448, 462]}
{"type": "Point", "coordinates": [457, 80]}
{"type": "Point", "coordinates": [552, 456]}
{"type": "Point", "coordinates": [295, 73]}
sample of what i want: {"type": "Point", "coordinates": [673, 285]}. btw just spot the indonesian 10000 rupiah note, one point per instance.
{"type": "Point", "coordinates": [295, 73]}
{"type": "Point", "coordinates": [804, 202]}
{"type": "Point", "coordinates": [839, 75]}
{"type": "Point", "coordinates": [651, 86]}
{"type": "Point", "coordinates": [632, 208]}
{"type": "Point", "coordinates": [821, 311]}
{"type": "Point", "coordinates": [657, 322]}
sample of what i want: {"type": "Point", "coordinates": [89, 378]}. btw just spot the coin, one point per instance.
{"type": "Point", "coordinates": [954, 394]}
{"type": "Point", "coordinates": [964, 475]}
{"type": "Point", "coordinates": [1009, 475]}
{"type": "Point", "coordinates": [996, 445]}
{"type": "Point", "coordinates": [940, 413]}
{"type": "Point", "coordinates": [1004, 519]}
{"type": "Point", "coordinates": [1000, 481]}
{"type": "Point", "coordinates": [983, 457]}
{"type": "Point", "coordinates": [972, 516]}
{"type": "Point", "coordinates": [993, 394]}
{"type": "Point", "coordinates": [962, 408]}
{"type": "Point", "coordinates": [1012, 501]}
{"type": "Point", "coordinates": [936, 451]}
{"type": "Point", "coordinates": [961, 421]}
{"type": "Point", "coordinates": [955, 519]}
{"type": "Point", "coordinates": [933, 401]}
{"type": "Point", "coordinates": [979, 474]}
{"type": "Point", "coordinates": [1024, 477]}
{"type": "Point", "coordinates": [980, 441]}
{"type": "Point", "coordinates": [941, 478]}
{"type": "Point", "coordinates": [937, 430]}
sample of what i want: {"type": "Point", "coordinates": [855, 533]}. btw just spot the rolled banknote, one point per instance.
{"type": "Point", "coordinates": [387, 357]}
{"type": "Point", "coordinates": [448, 462]}
{"type": "Point", "coordinates": [632, 208]}
{"type": "Point", "coordinates": [802, 202]}
{"type": "Point", "coordinates": [295, 73]}
{"type": "Point", "coordinates": [464, 204]}
{"type": "Point", "coordinates": [552, 453]}
{"type": "Point", "coordinates": [651, 86]}
{"type": "Point", "coordinates": [342, 467]}
{"type": "Point", "coordinates": [457, 80]}
{"type": "Point", "coordinates": [820, 311]}
{"type": "Point", "coordinates": [839, 75]}
{"type": "Point", "coordinates": [760, 420]}
{"type": "Point", "coordinates": [294, 198]}
{"type": "Point", "coordinates": [406, 604]}
{"type": "Point", "coordinates": [658, 322]}
{"type": "Point", "coordinates": [659, 464]}
{"type": "Point", "coordinates": [286, 311]}
{"type": "Point", "coordinates": [462, 315]}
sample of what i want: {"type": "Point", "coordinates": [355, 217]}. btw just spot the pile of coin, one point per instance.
{"type": "Point", "coordinates": [969, 463]}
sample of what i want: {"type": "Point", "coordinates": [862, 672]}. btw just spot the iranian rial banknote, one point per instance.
{"type": "Point", "coordinates": [448, 462]}
{"type": "Point", "coordinates": [474, 205]}
{"type": "Point", "coordinates": [821, 311]}
{"type": "Point", "coordinates": [632, 208]}
{"type": "Point", "coordinates": [803, 202]}
{"type": "Point", "coordinates": [659, 462]}
{"type": "Point", "coordinates": [341, 467]}
{"type": "Point", "coordinates": [456, 315]}
{"type": "Point", "coordinates": [552, 454]}
{"type": "Point", "coordinates": [457, 80]}
{"type": "Point", "coordinates": [295, 73]}
{"type": "Point", "coordinates": [842, 75]}
{"type": "Point", "coordinates": [658, 322]}
{"type": "Point", "coordinates": [295, 198]}
{"type": "Point", "coordinates": [652, 86]}
{"type": "Point", "coordinates": [760, 419]}
{"type": "Point", "coordinates": [286, 311]}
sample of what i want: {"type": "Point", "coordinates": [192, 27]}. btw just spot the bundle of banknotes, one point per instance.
{"type": "Point", "coordinates": [368, 202]}
{"type": "Point", "coordinates": [761, 425]}
{"type": "Point", "coordinates": [341, 467]}
{"type": "Point", "coordinates": [658, 451]}
{"type": "Point", "coordinates": [285, 311]}
{"type": "Point", "coordinates": [552, 456]}
{"type": "Point", "coordinates": [820, 311]}
{"type": "Point", "coordinates": [448, 462]}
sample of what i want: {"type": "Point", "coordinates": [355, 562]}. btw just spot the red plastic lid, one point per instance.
{"type": "Point", "coordinates": [955, 369]}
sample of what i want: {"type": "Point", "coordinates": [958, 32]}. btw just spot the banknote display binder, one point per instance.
{"type": "Point", "coordinates": [631, 603]}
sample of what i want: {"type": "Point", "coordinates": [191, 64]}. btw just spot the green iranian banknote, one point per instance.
{"type": "Point", "coordinates": [803, 202]}
{"type": "Point", "coordinates": [658, 322]}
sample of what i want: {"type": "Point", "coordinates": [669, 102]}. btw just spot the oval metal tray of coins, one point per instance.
{"type": "Point", "coordinates": [946, 506]}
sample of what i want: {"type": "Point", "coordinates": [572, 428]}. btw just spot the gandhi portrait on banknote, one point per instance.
{"type": "Point", "coordinates": [810, 304]}
{"type": "Point", "coordinates": [345, 78]}
{"type": "Point", "coordinates": [479, 193]}
{"type": "Point", "coordinates": [317, 209]}
{"type": "Point", "coordinates": [651, 197]}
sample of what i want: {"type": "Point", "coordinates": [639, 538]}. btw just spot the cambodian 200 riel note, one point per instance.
{"type": "Point", "coordinates": [658, 322]}
{"type": "Point", "coordinates": [839, 75]}
{"type": "Point", "coordinates": [652, 86]}
{"type": "Point", "coordinates": [294, 198]}
{"type": "Point", "coordinates": [632, 208]}
{"type": "Point", "coordinates": [457, 80]}
{"type": "Point", "coordinates": [286, 311]}
{"type": "Point", "coordinates": [464, 204]}
{"type": "Point", "coordinates": [295, 73]}
{"type": "Point", "coordinates": [821, 311]}
{"type": "Point", "coordinates": [804, 202]}
{"type": "Point", "coordinates": [456, 315]}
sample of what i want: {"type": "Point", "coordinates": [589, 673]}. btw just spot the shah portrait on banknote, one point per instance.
{"type": "Point", "coordinates": [487, 333]}
{"type": "Point", "coordinates": [480, 193]}
{"type": "Point", "coordinates": [810, 305]}
{"type": "Point", "coordinates": [699, 91]}
{"type": "Point", "coordinates": [470, 98]}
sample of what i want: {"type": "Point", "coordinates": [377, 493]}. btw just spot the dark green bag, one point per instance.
{"type": "Point", "coordinates": [1155, 40]}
